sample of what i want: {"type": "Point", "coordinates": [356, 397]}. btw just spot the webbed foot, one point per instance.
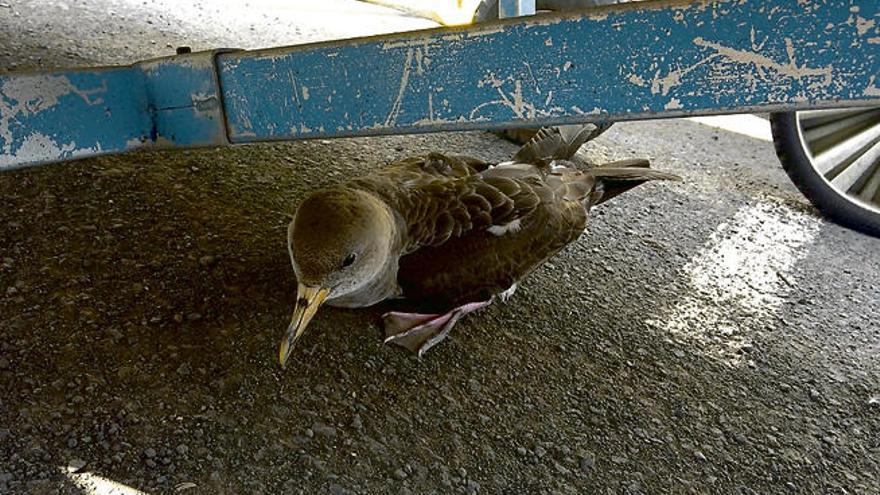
{"type": "Point", "coordinates": [420, 332]}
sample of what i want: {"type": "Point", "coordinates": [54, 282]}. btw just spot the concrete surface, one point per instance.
{"type": "Point", "coordinates": [712, 336]}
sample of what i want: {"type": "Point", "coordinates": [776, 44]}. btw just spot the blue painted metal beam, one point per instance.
{"type": "Point", "coordinates": [62, 115]}
{"type": "Point", "coordinates": [632, 61]}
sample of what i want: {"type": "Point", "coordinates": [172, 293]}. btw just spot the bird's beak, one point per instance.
{"type": "Point", "coordinates": [308, 300]}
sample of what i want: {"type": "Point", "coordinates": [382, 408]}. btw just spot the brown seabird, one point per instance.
{"type": "Point", "coordinates": [449, 232]}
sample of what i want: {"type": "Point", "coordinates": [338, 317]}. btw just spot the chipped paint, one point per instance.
{"type": "Point", "coordinates": [760, 63]}
{"type": "Point", "coordinates": [29, 95]}
{"type": "Point", "coordinates": [696, 62]}
{"type": "Point", "coordinates": [401, 90]}
{"type": "Point", "coordinates": [714, 56]}
{"type": "Point", "coordinates": [864, 25]}
{"type": "Point", "coordinates": [872, 89]}
{"type": "Point", "coordinates": [674, 104]}
{"type": "Point", "coordinates": [636, 79]}
{"type": "Point", "coordinates": [38, 147]}
{"type": "Point", "coordinates": [484, 32]}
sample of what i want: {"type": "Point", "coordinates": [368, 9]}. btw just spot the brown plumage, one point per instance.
{"type": "Point", "coordinates": [448, 232]}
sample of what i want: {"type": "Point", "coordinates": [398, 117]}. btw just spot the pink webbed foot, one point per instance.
{"type": "Point", "coordinates": [420, 332]}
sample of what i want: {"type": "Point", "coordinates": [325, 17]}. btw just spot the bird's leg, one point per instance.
{"type": "Point", "coordinates": [420, 332]}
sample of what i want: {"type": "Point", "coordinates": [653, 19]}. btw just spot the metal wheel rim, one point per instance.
{"type": "Point", "coordinates": [843, 147]}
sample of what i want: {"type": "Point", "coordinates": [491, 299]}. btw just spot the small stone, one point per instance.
{"type": "Point", "coordinates": [75, 465]}
{"type": "Point", "coordinates": [207, 260]}
{"type": "Point", "coordinates": [357, 423]}
{"type": "Point", "coordinates": [150, 463]}
{"type": "Point", "coordinates": [561, 469]}
{"type": "Point", "coordinates": [400, 474]}
{"type": "Point", "coordinates": [699, 455]}
{"type": "Point", "coordinates": [587, 463]}
{"type": "Point", "coordinates": [150, 453]}
{"type": "Point", "coordinates": [521, 450]}
{"type": "Point", "coordinates": [72, 443]}
{"type": "Point", "coordinates": [182, 449]}
{"type": "Point", "coordinates": [323, 430]}
{"type": "Point", "coordinates": [540, 451]}
{"type": "Point", "coordinates": [618, 459]}
{"type": "Point", "coordinates": [474, 386]}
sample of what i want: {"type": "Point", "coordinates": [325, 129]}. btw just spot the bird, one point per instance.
{"type": "Point", "coordinates": [445, 234]}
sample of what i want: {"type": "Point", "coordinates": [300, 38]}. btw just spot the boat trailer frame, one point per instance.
{"type": "Point", "coordinates": [632, 61]}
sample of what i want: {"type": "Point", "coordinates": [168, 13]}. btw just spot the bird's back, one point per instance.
{"type": "Point", "coordinates": [470, 230]}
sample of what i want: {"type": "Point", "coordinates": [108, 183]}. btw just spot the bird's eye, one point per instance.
{"type": "Point", "coordinates": [348, 260]}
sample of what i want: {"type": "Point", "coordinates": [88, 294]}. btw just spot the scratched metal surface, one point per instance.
{"type": "Point", "coordinates": [65, 115]}
{"type": "Point", "coordinates": [641, 60]}
{"type": "Point", "coordinates": [627, 62]}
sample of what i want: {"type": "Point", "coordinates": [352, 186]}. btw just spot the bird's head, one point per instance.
{"type": "Point", "coordinates": [339, 240]}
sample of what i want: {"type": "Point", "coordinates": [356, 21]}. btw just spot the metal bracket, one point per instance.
{"type": "Point", "coordinates": [515, 8]}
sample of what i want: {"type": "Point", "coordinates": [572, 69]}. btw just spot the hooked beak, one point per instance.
{"type": "Point", "coordinates": [308, 300]}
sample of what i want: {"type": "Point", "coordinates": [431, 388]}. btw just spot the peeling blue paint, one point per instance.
{"type": "Point", "coordinates": [55, 116]}
{"type": "Point", "coordinates": [634, 61]}
{"type": "Point", "coordinates": [62, 115]}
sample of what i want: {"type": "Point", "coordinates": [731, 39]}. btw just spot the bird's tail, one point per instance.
{"type": "Point", "coordinates": [558, 143]}
{"type": "Point", "coordinates": [615, 178]}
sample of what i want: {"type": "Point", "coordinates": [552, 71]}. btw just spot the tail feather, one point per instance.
{"type": "Point", "coordinates": [558, 143]}
{"type": "Point", "coordinates": [618, 177]}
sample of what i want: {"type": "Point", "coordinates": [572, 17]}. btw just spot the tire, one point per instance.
{"type": "Point", "coordinates": [833, 157]}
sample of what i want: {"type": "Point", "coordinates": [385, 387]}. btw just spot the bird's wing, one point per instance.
{"type": "Point", "coordinates": [439, 197]}
{"type": "Point", "coordinates": [484, 262]}
{"type": "Point", "coordinates": [441, 209]}
{"type": "Point", "coordinates": [434, 164]}
{"type": "Point", "coordinates": [558, 143]}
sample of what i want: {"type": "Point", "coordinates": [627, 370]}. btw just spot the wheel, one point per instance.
{"type": "Point", "coordinates": [833, 157]}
